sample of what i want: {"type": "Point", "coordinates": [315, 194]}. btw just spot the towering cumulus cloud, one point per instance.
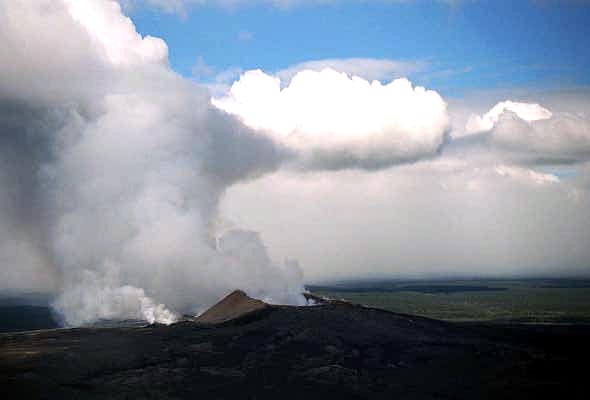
{"type": "Point", "coordinates": [331, 120]}
{"type": "Point", "coordinates": [112, 167]}
{"type": "Point", "coordinates": [525, 111]}
{"type": "Point", "coordinates": [533, 133]}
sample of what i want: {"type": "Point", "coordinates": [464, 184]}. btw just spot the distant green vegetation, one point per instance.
{"type": "Point", "coordinates": [515, 300]}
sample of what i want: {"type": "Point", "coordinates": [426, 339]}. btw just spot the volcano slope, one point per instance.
{"type": "Point", "coordinates": [333, 350]}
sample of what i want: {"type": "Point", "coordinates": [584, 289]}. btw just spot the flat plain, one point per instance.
{"type": "Point", "coordinates": [516, 300]}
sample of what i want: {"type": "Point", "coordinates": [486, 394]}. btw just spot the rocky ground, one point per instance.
{"type": "Point", "coordinates": [334, 350]}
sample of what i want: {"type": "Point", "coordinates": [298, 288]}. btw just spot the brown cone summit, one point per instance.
{"type": "Point", "coordinates": [232, 306]}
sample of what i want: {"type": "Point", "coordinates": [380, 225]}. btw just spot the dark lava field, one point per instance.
{"type": "Point", "coordinates": [329, 351]}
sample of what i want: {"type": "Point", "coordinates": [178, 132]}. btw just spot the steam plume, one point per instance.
{"type": "Point", "coordinates": [113, 167]}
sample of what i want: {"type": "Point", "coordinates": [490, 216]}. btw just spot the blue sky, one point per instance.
{"type": "Point", "coordinates": [473, 45]}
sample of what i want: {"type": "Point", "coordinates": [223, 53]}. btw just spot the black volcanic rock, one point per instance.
{"type": "Point", "coordinates": [334, 350]}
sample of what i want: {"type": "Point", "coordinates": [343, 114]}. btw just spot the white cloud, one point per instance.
{"type": "Point", "coordinates": [525, 111]}
{"type": "Point", "coordinates": [441, 217]}
{"type": "Point", "coordinates": [331, 120]}
{"type": "Point", "coordinates": [529, 132]}
{"type": "Point", "coordinates": [78, 49]}
{"type": "Point", "coordinates": [116, 33]}
{"type": "Point", "coordinates": [561, 138]}
{"type": "Point", "coordinates": [367, 68]}
{"type": "Point", "coordinates": [526, 175]}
